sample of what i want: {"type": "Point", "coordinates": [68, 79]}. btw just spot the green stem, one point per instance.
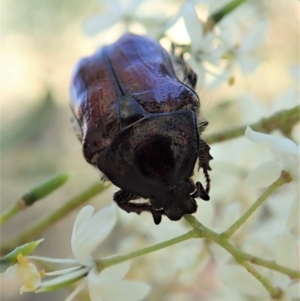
{"type": "Point", "coordinates": [273, 291]}
{"type": "Point", "coordinates": [240, 256]}
{"type": "Point", "coordinates": [228, 8]}
{"type": "Point", "coordinates": [198, 232]}
{"type": "Point", "coordinates": [9, 213]}
{"type": "Point", "coordinates": [37, 193]}
{"type": "Point", "coordinates": [272, 265]}
{"type": "Point", "coordinates": [121, 258]}
{"type": "Point", "coordinates": [220, 14]}
{"type": "Point", "coordinates": [44, 188]}
{"type": "Point", "coordinates": [51, 218]}
{"type": "Point", "coordinates": [284, 121]}
{"type": "Point", "coordinates": [283, 179]}
{"type": "Point", "coordinates": [201, 231]}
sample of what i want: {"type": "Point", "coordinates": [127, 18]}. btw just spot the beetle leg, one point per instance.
{"type": "Point", "coordinates": [123, 198]}
{"type": "Point", "coordinates": [200, 192]}
{"type": "Point", "coordinates": [202, 125]}
{"type": "Point", "coordinates": [204, 155]}
{"type": "Point", "coordinates": [204, 158]}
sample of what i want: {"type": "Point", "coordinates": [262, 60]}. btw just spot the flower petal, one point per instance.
{"type": "Point", "coordinates": [84, 214]}
{"type": "Point", "coordinates": [277, 144]}
{"type": "Point", "coordinates": [286, 254]}
{"type": "Point", "coordinates": [116, 272]}
{"type": "Point", "coordinates": [286, 150]}
{"type": "Point", "coordinates": [259, 137]}
{"type": "Point", "coordinates": [27, 273]}
{"type": "Point", "coordinates": [286, 250]}
{"type": "Point", "coordinates": [193, 25]}
{"type": "Point", "coordinates": [24, 250]}
{"type": "Point", "coordinates": [31, 278]}
{"type": "Point", "coordinates": [265, 174]}
{"type": "Point", "coordinates": [280, 203]}
{"type": "Point", "coordinates": [242, 281]}
{"type": "Point", "coordinates": [254, 37]}
{"type": "Point", "coordinates": [248, 64]}
{"type": "Point", "coordinates": [89, 231]}
{"type": "Point", "coordinates": [285, 147]}
{"type": "Point", "coordinates": [288, 99]}
{"type": "Point", "coordinates": [250, 108]}
{"type": "Point", "coordinates": [293, 216]}
{"type": "Point", "coordinates": [10, 273]}
{"type": "Point", "coordinates": [98, 23]}
{"type": "Point", "coordinates": [293, 290]}
{"type": "Point", "coordinates": [101, 288]}
{"type": "Point", "coordinates": [231, 213]}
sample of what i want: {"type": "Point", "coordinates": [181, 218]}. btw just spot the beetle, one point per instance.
{"type": "Point", "coordinates": [140, 126]}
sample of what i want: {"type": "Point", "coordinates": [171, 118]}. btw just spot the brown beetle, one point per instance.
{"type": "Point", "coordinates": [138, 124]}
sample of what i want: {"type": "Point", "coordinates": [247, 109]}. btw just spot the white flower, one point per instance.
{"type": "Point", "coordinates": [88, 232]}
{"type": "Point", "coordinates": [16, 265]}
{"type": "Point", "coordinates": [203, 46]}
{"type": "Point", "coordinates": [25, 271]}
{"type": "Point", "coordinates": [285, 150]}
{"type": "Point", "coordinates": [241, 52]}
{"type": "Point", "coordinates": [287, 153]}
{"type": "Point", "coordinates": [208, 48]}
{"type": "Point", "coordinates": [126, 13]}
{"type": "Point", "coordinates": [114, 11]}
{"type": "Point", "coordinates": [108, 285]}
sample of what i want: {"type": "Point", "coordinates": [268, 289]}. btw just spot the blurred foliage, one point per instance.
{"type": "Point", "coordinates": [45, 17]}
{"type": "Point", "coordinates": [30, 126]}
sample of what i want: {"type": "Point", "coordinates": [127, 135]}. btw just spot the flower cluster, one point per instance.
{"type": "Point", "coordinates": [273, 237]}
{"type": "Point", "coordinates": [103, 284]}
{"type": "Point", "coordinates": [211, 49]}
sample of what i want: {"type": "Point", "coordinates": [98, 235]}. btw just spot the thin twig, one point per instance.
{"type": "Point", "coordinates": [283, 179]}
{"type": "Point", "coordinates": [284, 121]}
{"type": "Point", "coordinates": [49, 219]}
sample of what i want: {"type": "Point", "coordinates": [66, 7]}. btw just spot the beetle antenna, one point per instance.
{"type": "Point", "coordinates": [207, 178]}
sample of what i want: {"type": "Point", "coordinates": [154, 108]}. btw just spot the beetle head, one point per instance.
{"type": "Point", "coordinates": [176, 202]}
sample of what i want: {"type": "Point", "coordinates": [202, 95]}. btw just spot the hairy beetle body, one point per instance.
{"type": "Point", "coordinates": [138, 124]}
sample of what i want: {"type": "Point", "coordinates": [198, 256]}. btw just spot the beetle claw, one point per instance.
{"type": "Point", "coordinates": [200, 192]}
{"type": "Point", "coordinates": [156, 217]}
